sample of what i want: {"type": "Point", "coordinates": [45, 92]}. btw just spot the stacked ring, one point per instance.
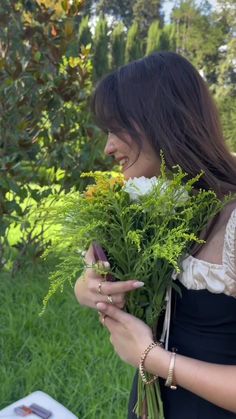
{"type": "Point", "coordinates": [100, 288]}
{"type": "Point", "coordinates": [103, 319]}
{"type": "Point", "coordinates": [109, 299]}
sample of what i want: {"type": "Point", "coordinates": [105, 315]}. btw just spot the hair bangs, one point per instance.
{"type": "Point", "coordinates": [106, 107]}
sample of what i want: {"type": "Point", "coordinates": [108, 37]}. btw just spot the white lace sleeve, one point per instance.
{"type": "Point", "coordinates": [229, 253]}
{"type": "Point", "coordinates": [199, 274]}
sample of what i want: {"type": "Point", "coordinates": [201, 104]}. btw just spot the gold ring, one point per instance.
{"type": "Point", "coordinates": [100, 288]}
{"type": "Point", "coordinates": [109, 299]}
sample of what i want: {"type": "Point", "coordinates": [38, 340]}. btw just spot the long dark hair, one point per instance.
{"type": "Point", "coordinates": [164, 99]}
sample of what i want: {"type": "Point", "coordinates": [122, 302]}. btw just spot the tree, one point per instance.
{"type": "Point", "coordinates": [157, 39]}
{"type": "Point", "coordinates": [145, 14]}
{"type": "Point", "coordinates": [225, 86]}
{"type": "Point", "coordinates": [170, 33]}
{"type": "Point", "coordinates": [118, 45]}
{"type": "Point", "coordinates": [198, 38]}
{"type": "Point", "coordinates": [121, 10]}
{"type": "Point", "coordinates": [87, 8]}
{"type": "Point", "coordinates": [225, 17]}
{"type": "Point", "coordinates": [85, 36]}
{"type": "Point", "coordinates": [133, 48]}
{"type": "Point", "coordinates": [100, 59]}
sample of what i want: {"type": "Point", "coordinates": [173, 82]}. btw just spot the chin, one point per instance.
{"type": "Point", "coordinates": [130, 174]}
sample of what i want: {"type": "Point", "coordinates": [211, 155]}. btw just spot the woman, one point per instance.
{"type": "Point", "coordinates": [162, 103]}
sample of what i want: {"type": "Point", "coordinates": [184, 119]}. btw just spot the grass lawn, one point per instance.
{"type": "Point", "coordinates": [66, 353]}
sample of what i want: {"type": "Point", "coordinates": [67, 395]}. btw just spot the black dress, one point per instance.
{"type": "Point", "coordinates": [203, 327]}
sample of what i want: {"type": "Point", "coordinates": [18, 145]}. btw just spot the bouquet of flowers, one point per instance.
{"type": "Point", "coordinates": [146, 227]}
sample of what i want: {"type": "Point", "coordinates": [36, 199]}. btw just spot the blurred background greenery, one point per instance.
{"type": "Point", "coordinates": [52, 52]}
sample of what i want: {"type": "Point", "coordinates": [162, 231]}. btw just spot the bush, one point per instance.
{"type": "Point", "coordinates": [46, 81]}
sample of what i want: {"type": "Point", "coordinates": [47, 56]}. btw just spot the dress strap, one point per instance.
{"type": "Point", "coordinates": [166, 325]}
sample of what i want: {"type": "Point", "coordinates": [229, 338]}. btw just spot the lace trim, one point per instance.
{"type": "Point", "coordinates": [229, 250]}
{"type": "Point", "coordinates": [199, 274]}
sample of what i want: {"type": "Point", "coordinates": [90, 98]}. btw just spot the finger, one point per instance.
{"type": "Point", "coordinates": [89, 257]}
{"type": "Point", "coordinates": [103, 264]}
{"type": "Point", "coordinates": [93, 270]}
{"type": "Point", "coordinates": [108, 323]}
{"type": "Point", "coordinates": [101, 318]}
{"type": "Point", "coordinates": [120, 305]}
{"type": "Point", "coordinates": [115, 299]}
{"type": "Point", "coordinates": [113, 313]}
{"type": "Point", "coordinates": [119, 287]}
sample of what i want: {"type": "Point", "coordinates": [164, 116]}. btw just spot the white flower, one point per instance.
{"type": "Point", "coordinates": [180, 194]}
{"type": "Point", "coordinates": [139, 186]}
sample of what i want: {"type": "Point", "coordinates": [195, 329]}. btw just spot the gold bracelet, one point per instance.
{"type": "Point", "coordinates": [141, 363]}
{"type": "Point", "coordinates": [170, 376]}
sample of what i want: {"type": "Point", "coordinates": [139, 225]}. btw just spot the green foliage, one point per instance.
{"type": "Point", "coordinates": [143, 239]}
{"type": "Point", "coordinates": [198, 37]}
{"type": "Point", "coordinates": [144, 15]}
{"type": "Point", "coordinates": [133, 48]}
{"type": "Point", "coordinates": [170, 36]}
{"type": "Point", "coordinates": [227, 108]}
{"type": "Point", "coordinates": [225, 17]}
{"type": "Point", "coordinates": [157, 39]}
{"type": "Point", "coordinates": [224, 87]}
{"type": "Point", "coordinates": [121, 10]}
{"type": "Point", "coordinates": [100, 59]}
{"type": "Point", "coordinates": [45, 85]}
{"type": "Point", "coordinates": [85, 36]}
{"type": "Point", "coordinates": [118, 46]}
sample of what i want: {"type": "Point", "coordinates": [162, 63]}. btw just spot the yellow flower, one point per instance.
{"type": "Point", "coordinates": [105, 182]}
{"type": "Point", "coordinates": [90, 192]}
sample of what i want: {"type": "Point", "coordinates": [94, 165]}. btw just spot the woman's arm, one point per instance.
{"type": "Point", "coordinates": [130, 337]}
{"type": "Point", "coordinates": [213, 382]}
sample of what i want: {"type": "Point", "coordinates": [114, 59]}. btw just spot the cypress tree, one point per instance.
{"type": "Point", "coordinates": [153, 38]}
{"type": "Point", "coordinates": [118, 46]}
{"type": "Point", "coordinates": [85, 36]}
{"type": "Point", "coordinates": [159, 39]}
{"type": "Point", "coordinates": [100, 59]}
{"type": "Point", "coordinates": [133, 49]}
{"type": "Point", "coordinates": [170, 34]}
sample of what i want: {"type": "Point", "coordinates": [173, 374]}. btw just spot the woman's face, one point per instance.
{"type": "Point", "coordinates": [134, 163]}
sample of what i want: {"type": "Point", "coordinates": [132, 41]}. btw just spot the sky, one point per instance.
{"type": "Point", "coordinates": [167, 7]}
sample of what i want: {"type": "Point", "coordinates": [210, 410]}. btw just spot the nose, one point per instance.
{"type": "Point", "coordinates": [110, 145]}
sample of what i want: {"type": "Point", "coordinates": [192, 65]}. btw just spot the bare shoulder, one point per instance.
{"type": "Point", "coordinates": [227, 212]}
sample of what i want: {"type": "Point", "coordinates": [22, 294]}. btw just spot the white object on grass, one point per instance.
{"type": "Point", "coordinates": [42, 399]}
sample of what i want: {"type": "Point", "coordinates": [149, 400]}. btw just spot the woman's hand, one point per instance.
{"type": "Point", "coordinates": [91, 287]}
{"type": "Point", "coordinates": [129, 335]}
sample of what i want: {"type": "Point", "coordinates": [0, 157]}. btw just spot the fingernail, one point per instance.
{"type": "Point", "coordinates": [106, 264]}
{"type": "Point", "coordinates": [103, 264]}
{"type": "Point", "coordinates": [101, 306]}
{"type": "Point", "coordinates": [138, 284]}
